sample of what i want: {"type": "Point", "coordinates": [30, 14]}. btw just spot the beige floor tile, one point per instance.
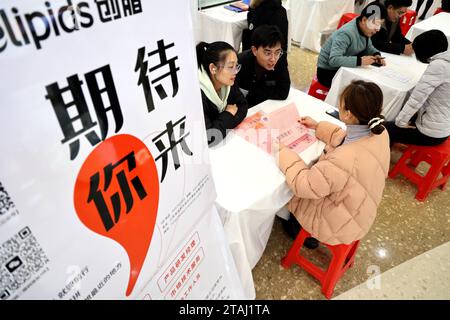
{"type": "Point", "coordinates": [426, 276]}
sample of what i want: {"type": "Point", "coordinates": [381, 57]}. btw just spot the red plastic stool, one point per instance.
{"type": "Point", "coordinates": [439, 159]}
{"type": "Point", "coordinates": [343, 257]}
{"type": "Point", "coordinates": [318, 90]}
{"type": "Point", "coordinates": [407, 20]}
{"type": "Point", "coordinates": [346, 17]}
{"type": "Point", "coordinates": [438, 10]}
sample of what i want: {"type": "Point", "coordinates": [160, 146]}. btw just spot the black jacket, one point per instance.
{"type": "Point", "coordinates": [217, 124]}
{"type": "Point", "coordinates": [445, 5]}
{"type": "Point", "coordinates": [395, 45]}
{"type": "Point", "coordinates": [271, 85]}
{"type": "Point", "coordinates": [269, 12]}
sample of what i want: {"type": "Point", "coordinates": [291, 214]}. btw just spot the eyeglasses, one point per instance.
{"type": "Point", "coordinates": [375, 24]}
{"type": "Point", "coordinates": [233, 69]}
{"type": "Point", "coordinates": [276, 54]}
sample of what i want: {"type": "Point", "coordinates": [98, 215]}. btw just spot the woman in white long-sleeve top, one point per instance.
{"type": "Point", "coordinates": [425, 118]}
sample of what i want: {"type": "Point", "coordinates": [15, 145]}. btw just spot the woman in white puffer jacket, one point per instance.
{"type": "Point", "coordinates": [425, 118]}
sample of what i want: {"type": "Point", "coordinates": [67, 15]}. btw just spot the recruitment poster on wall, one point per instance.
{"type": "Point", "coordinates": [104, 172]}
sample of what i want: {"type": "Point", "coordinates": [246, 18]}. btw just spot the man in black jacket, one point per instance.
{"type": "Point", "coordinates": [390, 38]}
{"type": "Point", "coordinates": [264, 74]}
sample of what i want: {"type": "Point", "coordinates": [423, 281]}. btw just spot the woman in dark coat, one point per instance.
{"type": "Point", "coordinates": [445, 5]}
{"type": "Point", "coordinates": [224, 105]}
{"type": "Point", "coordinates": [262, 12]}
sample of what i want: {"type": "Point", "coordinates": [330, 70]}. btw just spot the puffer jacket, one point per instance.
{"type": "Point", "coordinates": [431, 99]}
{"type": "Point", "coordinates": [336, 200]}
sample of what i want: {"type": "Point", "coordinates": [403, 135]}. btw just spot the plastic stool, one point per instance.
{"type": "Point", "coordinates": [318, 90]}
{"type": "Point", "coordinates": [439, 159]}
{"type": "Point", "coordinates": [346, 17]}
{"type": "Point", "coordinates": [343, 257]}
{"type": "Point", "coordinates": [407, 20]}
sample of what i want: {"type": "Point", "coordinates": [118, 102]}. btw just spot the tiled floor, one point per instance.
{"type": "Point", "coordinates": [429, 272]}
{"type": "Point", "coordinates": [404, 229]}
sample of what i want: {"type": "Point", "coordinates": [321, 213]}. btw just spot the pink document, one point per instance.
{"type": "Point", "coordinates": [260, 129]}
{"type": "Point", "coordinates": [255, 121]}
{"type": "Point", "coordinates": [291, 133]}
{"type": "Point", "coordinates": [254, 129]}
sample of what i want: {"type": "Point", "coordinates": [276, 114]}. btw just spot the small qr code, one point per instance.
{"type": "Point", "coordinates": [6, 203]}
{"type": "Point", "coordinates": [21, 258]}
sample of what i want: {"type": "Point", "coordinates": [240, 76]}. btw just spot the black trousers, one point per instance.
{"type": "Point", "coordinates": [410, 136]}
{"type": "Point", "coordinates": [446, 5]}
{"type": "Point", "coordinates": [325, 76]}
{"type": "Point", "coordinates": [427, 7]}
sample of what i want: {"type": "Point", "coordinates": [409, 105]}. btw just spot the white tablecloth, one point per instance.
{"type": "Point", "coordinates": [396, 80]}
{"type": "Point", "coordinates": [251, 189]}
{"type": "Point", "coordinates": [220, 24]}
{"type": "Point", "coordinates": [312, 17]}
{"type": "Point", "coordinates": [440, 21]}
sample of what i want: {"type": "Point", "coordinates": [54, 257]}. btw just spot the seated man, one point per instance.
{"type": "Point", "coordinates": [263, 74]}
{"type": "Point", "coordinates": [390, 38]}
{"type": "Point", "coordinates": [350, 46]}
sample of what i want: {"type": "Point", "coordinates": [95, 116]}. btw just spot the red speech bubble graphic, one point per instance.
{"type": "Point", "coordinates": [116, 195]}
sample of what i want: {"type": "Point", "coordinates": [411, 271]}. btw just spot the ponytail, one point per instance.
{"type": "Point", "coordinates": [376, 124]}
{"type": "Point", "coordinates": [214, 53]}
{"type": "Point", "coordinates": [201, 48]}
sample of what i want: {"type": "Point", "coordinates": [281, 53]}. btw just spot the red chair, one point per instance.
{"type": "Point", "coordinates": [346, 17]}
{"type": "Point", "coordinates": [439, 159]}
{"type": "Point", "coordinates": [438, 10]}
{"type": "Point", "coordinates": [318, 90]}
{"type": "Point", "coordinates": [407, 20]}
{"type": "Point", "coordinates": [343, 257]}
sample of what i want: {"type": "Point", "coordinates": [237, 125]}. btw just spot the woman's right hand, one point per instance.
{"type": "Point", "coordinates": [308, 122]}
{"type": "Point", "coordinates": [232, 108]}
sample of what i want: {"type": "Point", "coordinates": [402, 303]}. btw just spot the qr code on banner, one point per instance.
{"type": "Point", "coordinates": [6, 203]}
{"type": "Point", "coordinates": [21, 258]}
